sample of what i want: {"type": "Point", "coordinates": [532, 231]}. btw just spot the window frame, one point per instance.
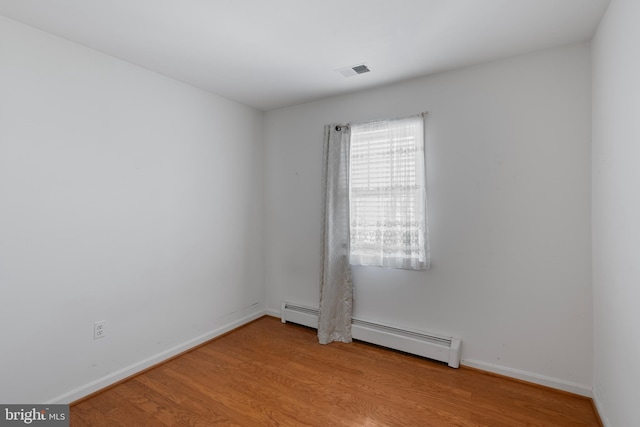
{"type": "Point", "coordinates": [387, 248]}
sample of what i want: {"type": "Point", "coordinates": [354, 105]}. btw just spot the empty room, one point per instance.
{"type": "Point", "coordinates": [357, 213]}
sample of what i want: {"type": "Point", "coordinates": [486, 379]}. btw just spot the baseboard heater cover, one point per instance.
{"type": "Point", "coordinates": [436, 347]}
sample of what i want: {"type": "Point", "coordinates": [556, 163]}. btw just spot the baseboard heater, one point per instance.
{"type": "Point", "coordinates": [443, 349]}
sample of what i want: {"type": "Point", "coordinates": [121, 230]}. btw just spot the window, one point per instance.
{"type": "Point", "coordinates": [387, 194]}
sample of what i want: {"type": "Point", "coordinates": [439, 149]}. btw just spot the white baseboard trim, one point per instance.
{"type": "Point", "coordinates": [601, 413]}
{"type": "Point", "coordinates": [556, 383]}
{"type": "Point", "coordinates": [273, 312]}
{"type": "Point", "coordinates": [114, 377]}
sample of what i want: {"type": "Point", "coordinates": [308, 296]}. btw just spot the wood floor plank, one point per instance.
{"type": "Point", "coordinates": [352, 377]}
{"type": "Point", "coordinates": [270, 374]}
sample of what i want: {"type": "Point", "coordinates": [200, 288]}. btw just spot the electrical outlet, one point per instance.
{"type": "Point", "coordinates": [99, 329]}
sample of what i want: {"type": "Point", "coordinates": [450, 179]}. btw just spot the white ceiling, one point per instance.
{"type": "Point", "coordinates": [270, 54]}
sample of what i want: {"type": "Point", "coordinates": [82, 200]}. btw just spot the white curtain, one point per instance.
{"type": "Point", "coordinates": [336, 287]}
{"type": "Point", "coordinates": [388, 194]}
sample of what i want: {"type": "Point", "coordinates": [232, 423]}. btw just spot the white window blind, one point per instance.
{"type": "Point", "coordinates": [387, 194]}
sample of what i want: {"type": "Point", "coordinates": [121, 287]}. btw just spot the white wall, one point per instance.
{"type": "Point", "coordinates": [616, 213]}
{"type": "Point", "coordinates": [124, 196]}
{"type": "Point", "coordinates": [509, 206]}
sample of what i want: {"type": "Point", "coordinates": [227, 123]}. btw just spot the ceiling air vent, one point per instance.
{"type": "Point", "coordinates": [354, 70]}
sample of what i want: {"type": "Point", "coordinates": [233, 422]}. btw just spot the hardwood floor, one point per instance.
{"type": "Point", "coordinates": [269, 374]}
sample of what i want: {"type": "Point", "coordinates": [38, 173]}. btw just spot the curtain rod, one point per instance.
{"type": "Point", "coordinates": [423, 114]}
